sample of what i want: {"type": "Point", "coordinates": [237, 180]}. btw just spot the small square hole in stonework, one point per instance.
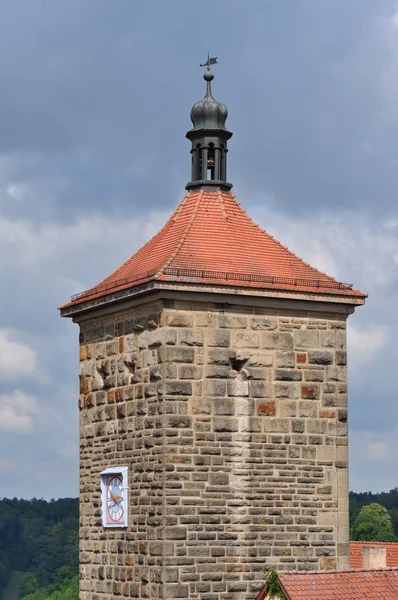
{"type": "Point", "coordinates": [237, 364]}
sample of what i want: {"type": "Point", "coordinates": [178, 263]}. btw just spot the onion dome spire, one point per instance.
{"type": "Point", "coordinates": [209, 137]}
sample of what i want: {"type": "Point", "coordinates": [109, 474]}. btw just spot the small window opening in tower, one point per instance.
{"type": "Point", "coordinates": [222, 162]}
{"type": "Point", "coordinates": [198, 161]}
{"type": "Point", "coordinates": [210, 162]}
{"type": "Point", "coordinates": [238, 364]}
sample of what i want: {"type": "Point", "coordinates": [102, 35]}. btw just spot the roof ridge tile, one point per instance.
{"type": "Point", "coordinates": [280, 243]}
{"type": "Point", "coordinates": [337, 572]}
{"type": "Point", "coordinates": [184, 233]}
{"type": "Point", "coordinates": [222, 207]}
{"type": "Point", "coordinates": [179, 208]}
{"type": "Point", "coordinates": [373, 543]}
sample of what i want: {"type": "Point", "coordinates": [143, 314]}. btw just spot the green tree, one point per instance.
{"type": "Point", "coordinates": [29, 585]}
{"type": "Point", "coordinates": [40, 537]}
{"type": "Point", "coordinates": [373, 524]}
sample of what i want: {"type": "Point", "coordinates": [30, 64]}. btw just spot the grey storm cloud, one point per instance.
{"type": "Point", "coordinates": [94, 108]}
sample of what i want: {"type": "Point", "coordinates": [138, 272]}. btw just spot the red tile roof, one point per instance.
{"type": "Point", "coordinates": [340, 585]}
{"type": "Point", "coordinates": [356, 553]}
{"type": "Point", "coordinates": [210, 239]}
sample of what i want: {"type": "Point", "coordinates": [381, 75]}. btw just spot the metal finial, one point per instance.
{"type": "Point", "coordinates": [210, 61]}
{"type": "Point", "coordinates": [209, 137]}
{"type": "Point", "coordinates": [208, 75]}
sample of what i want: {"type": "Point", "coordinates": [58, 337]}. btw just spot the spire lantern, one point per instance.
{"type": "Point", "coordinates": [209, 137]}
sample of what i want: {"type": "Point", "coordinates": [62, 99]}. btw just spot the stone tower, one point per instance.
{"type": "Point", "coordinates": [213, 368]}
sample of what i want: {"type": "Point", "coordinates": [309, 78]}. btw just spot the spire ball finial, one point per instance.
{"type": "Point", "coordinates": [208, 76]}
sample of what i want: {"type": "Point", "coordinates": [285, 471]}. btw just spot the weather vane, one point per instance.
{"type": "Point", "coordinates": [210, 61]}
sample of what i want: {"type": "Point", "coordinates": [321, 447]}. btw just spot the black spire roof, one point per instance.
{"type": "Point", "coordinates": [208, 113]}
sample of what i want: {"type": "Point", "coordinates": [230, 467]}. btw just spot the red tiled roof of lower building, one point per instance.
{"type": "Point", "coordinates": [356, 553]}
{"type": "Point", "coordinates": [340, 585]}
{"type": "Point", "coordinates": [210, 239]}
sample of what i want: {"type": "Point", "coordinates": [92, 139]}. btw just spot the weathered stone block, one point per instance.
{"type": "Point", "coordinates": [328, 563]}
{"type": "Point", "coordinates": [301, 358]}
{"type": "Point", "coordinates": [156, 548]}
{"type": "Point", "coordinates": [294, 452]}
{"type": "Point", "coordinates": [220, 357]}
{"type": "Point", "coordinates": [218, 337]}
{"type": "Point", "coordinates": [244, 407]}
{"type": "Point", "coordinates": [314, 375]}
{"type": "Point", "coordinates": [275, 425]}
{"type": "Point", "coordinates": [329, 388]}
{"type": "Point", "coordinates": [288, 374]}
{"type": "Point", "coordinates": [250, 424]}
{"type": "Point", "coordinates": [285, 359]}
{"type": "Point", "coordinates": [279, 341]}
{"type": "Point", "coordinates": [307, 409]}
{"type": "Point", "coordinates": [298, 426]}
{"type": "Point", "coordinates": [177, 354]}
{"type": "Point", "coordinates": [320, 357]}
{"type": "Point", "coordinates": [306, 338]}
{"type": "Point", "coordinates": [317, 426]}
{"type": "Point", "coordinates": [214, 388]}
{"type": "Point", "coordinates": [341, 340]}
{"type": "Point", "coordinates": [189, 372]}
{"type": "Point", "coordinates": [169, 336]}
{"type": "Point", "coordinates": [259, 359]}
{"type": "Point", "coordinates": [218, 372]}
{"type": "Point", "coordinates": [267, 409]}
{"type": "Point", "coordinates": [219, 478]}
{"type": "Point", "coordinates": [268, 323]}
{"type": "Point", "coordinates": [176, 590]}
{"type": "Point", "coordinates": [201, 406]}
{"type": "Point", "coordinates": [328, 339]}
{"type": "Point", "coordinates": [232, 322]}
{"type": "Point", "coordinates": [245, 339]}
{"type": "Point", "coordinates": [341, 357]}
{"type": "Point", "coordinates": [286, 390]}
{"type": "Point", "coordinates": [255, 373]}
{"type": "Point", "coordinates": [223, 406]}
{"type": "Point", "coordinates": [287, 408]}
{"type": "Point", "coordinates": [155, 338]}
{"type": "Point", "coordinates": [205, 319]}
{"type": "Point", "coordinates": [261, 389]}
{"type": "Point", "coordinates": [336, 374]}
{"type": "Point", "coordinates": [238, 387]}
{"type": "Point", "coordinates": [177, 319]}
{"type": "Point", "coordinates": [329, 399]}
{"type": "Point", "coordinates": [130, 343]}
{"type": "Point", "coordinates": [87, 368]}
{"type": "Point", "coordinates": [190, 337]}
{"type": "Point", "coordinates": [314, 440]}
{"type": "Point", "coordinates": [227, 424]}
{"type": "Point", "coordinates": [178, 388]}
{"type": "Point", "coordinates": [310, 391]}
{"type": "Point", "coordinates": [171, 575]}
{"type": "Point", "coordinates": [177, 421]}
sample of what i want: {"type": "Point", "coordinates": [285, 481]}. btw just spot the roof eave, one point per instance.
{"type": "Point", "coordinates": [81, 306]}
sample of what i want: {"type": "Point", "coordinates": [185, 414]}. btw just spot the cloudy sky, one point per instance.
{"type": "Point", "coordinates": [94, 106]}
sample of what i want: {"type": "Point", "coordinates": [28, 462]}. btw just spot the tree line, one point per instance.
{"type": "Point", "coordinates": [41, 539]}
{"type": "Point", "coordinates": [374, 517]}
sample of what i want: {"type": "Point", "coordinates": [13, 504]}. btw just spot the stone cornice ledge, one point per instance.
{"type": "Point", "coordinates": [209, 289]}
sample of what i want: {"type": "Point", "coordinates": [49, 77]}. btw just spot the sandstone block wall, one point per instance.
{"type": "Point", "coordinates": [234, 426]}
